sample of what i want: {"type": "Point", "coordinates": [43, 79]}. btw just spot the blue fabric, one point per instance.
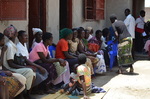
{"type": "Point", "coordinates": [112, 34]}
{"type": "Point", "coordinates": [51, 49]}
{"type": "Point", "coordinates": [2, 74]}
{"type": "Point", "coordinates": [113, 50]}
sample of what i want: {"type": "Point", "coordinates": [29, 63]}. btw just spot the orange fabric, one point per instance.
{"type": "Point", "coordinates": [62, 46]}
{"type": "Point", "coordinates": [93, 47]}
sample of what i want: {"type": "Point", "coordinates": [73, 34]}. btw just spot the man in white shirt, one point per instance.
{"type": "Point", "coordinates": [130, 24]}
{"type": "Point", "coordinates": [139, 29]}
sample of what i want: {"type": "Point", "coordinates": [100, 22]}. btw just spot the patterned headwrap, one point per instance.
{"type": "Point", "coordinates": [65, 32]}
{"type": "Point", "coordinates": [10, 31]}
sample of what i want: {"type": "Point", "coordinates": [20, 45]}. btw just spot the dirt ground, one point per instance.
{"type": "Point", "coordinates": [123, 86]}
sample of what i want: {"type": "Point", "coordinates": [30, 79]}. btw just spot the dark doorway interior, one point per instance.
{"type": "Point", "coordinates": [65, 14]}
{"type": "Point", "coordinates": [37, 17]}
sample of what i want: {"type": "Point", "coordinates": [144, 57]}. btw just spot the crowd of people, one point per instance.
{"type": "Point", "coordinates": [79, 56]}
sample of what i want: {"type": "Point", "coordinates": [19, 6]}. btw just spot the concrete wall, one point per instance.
{"type": "Point", "coordinates": [78, 19]}
{"type": "Point", "coordinates": [117, 7]}
{"type": "Point", "coordinates": [147, 16]}
{"type": "Point", "coordinates": [19, 24]}
{"type": "Point", "coordinates": [52, 24]}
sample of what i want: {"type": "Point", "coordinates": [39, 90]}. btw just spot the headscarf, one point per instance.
{"type": "Point", "coordinates": [65, 32]}
{"type": "Point", "coordinates": [36, 30]}
{"type": "Point", "coordinates": [89, 28]}
{"type": "Point", "coordinates": [10, 31]}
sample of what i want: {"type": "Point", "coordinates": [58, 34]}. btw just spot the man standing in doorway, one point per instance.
{"type": "Point", "coordinates": [130, 24]}
{"type": "Point", "coordinates": [139, 29]}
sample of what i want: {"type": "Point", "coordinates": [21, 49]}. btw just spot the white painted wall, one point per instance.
{"type": "Point", "coordinates": [52, 23]}
{"type": "Point", "coordinates": [78, 18]}
{"type": "Point", "coordinates": [117, 7]}
{"type": "Point", "coordinates": [19, 24]}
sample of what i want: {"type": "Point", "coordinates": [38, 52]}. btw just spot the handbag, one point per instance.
{"type": "Point", "coordinates": [20, 60]}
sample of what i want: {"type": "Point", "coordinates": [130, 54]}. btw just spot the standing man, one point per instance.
{"type": "Point", "coordinates": [130, 24]}
{"type": "Point", "coordinates": [139, 31]}
{"type": "Point", "coordinates": [125, 43]}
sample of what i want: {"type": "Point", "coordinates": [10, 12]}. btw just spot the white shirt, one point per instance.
{"type": "Point", "coordinates": [22, 49]}
{"type": "Point", "coordinates": [130, 24]}
{"type": "Point", "coordinates": [9, 54]}
{"type": "Point", "coordinates": [140, 22]}
{"type": "Point", "coordinates": [90, 36]}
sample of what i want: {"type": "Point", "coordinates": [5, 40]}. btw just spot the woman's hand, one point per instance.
{"type": "Point", "coordinates": [8, 73]}
{"type": "Point", "coordinates": [62, 62]}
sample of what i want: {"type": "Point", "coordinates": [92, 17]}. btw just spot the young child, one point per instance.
{"type": "Point", "coordinates": [84, 73]}
{"type": "Point", "coordinates": [70, 87]}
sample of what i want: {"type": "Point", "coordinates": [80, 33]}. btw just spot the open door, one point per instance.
{"type": "Point", "coordinates": [65, 14]}
{"type": "Point", "coordinates": [37, 17]}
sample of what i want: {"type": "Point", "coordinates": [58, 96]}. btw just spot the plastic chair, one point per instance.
{"type": "Point", "coordinates": [113, 51]}
{"type": "Point", "coordinates": [52, 50]}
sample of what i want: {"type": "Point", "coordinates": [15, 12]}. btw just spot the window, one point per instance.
{"type": "Point", "coordinates": [12, 9]}
{"type": "Point", "coordinates": [94, 9]}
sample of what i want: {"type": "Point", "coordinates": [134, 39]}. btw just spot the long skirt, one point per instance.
{"type": "Point", "coordinates": [56, 73]}
{"type": "Point", "coordinates": [13, 86]}
{"type": "Point", "coordinates": [52, 74]}
{"type": "Point", "coordinates": [125, 52]}
{"type": "Point", "coordinates": [100, 66]}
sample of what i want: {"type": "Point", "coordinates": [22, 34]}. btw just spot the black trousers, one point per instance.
{"type": "Point", "coordinates": [139, 43]}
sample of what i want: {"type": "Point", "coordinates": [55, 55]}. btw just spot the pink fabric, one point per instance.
{"type": "Point", "coordinates": [146, 47]}
{"type": "Point", "coordinates": [64, 77]}
{"type": "Point", "coordinates": [33, 56]}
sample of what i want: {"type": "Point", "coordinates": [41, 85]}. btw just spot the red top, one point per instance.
{"type": "Point", "coordinates": [62, 46]}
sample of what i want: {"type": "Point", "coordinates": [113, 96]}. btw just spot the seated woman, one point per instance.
{"type": "Point", "coordinates": [98, 62]}
{"type": "Point", "coordinates": [98, 43]}
{"type": "Point", "coordinates": [73, 48]}
{"type": "Point", "coordinates": [41, 73]}
{"type": "Point", "coordinates": [11, 84]}
{"type": "Point", "coordinates": [57, 68]}
{"type": "Point", "coordinates": [8, 61]}
{"type": "Point", "coordinates": [37, 32]}
{"type": "Point", "coordinates": [62, 48]}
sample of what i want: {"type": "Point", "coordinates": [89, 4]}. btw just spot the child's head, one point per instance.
{"type": "Point", "coordinates": [82, 59]}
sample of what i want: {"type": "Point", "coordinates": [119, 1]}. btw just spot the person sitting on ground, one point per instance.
{"type": "Point", "coordinates": [84, 73]}
{"type": "Point", "coordinates": [8, 62]}
{"type": "Point", "coordinates": [72, 85]}
{"type": "Point", "coordinates": [11, 84]}
{"type": "Point", "coordinates": [41, 73]}
{"type": "Point", "coordinates": [57, 68]}
{"type": "Point", "coordinates": [62, 48]}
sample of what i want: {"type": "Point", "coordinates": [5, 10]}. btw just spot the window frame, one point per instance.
{"type": "Point", "coordinates": [97, 9]}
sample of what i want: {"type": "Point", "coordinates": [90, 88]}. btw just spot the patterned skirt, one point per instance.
{"type": "Point", "coordinates": [13, 86]}
{"type": "Point", "coordinates": [125, 52]}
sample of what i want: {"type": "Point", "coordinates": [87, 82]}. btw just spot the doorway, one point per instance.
{"type": "Point", "coordinates": [65, 14]}
{"type": "Point", "coordinates": [37, 17]}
